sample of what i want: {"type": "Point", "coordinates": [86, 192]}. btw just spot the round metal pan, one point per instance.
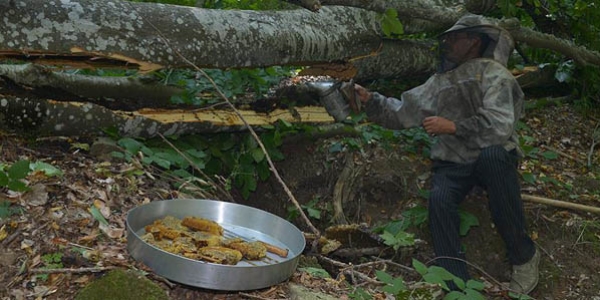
{"type": "Point", "coordinates": [237, 220]}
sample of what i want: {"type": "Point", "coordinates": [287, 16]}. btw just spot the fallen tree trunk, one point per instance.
{"type": "Point", "coordinates": [151, 36]}
{"type": "Point", "coordinates": [47, 117]}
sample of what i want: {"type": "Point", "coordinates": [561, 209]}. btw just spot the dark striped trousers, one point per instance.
{"type": "Point", "coordinates": [496, 171]}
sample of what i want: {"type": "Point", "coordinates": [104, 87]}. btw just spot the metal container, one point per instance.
{"type": "Point", "coordinates": [332, 99]}
{"type": "Point", "coordinates": [244, 221]}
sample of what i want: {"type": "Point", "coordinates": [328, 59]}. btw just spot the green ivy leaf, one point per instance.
{"type": "Point", "coordinates": [395, 287]}
{"type": "Point", "coordinates": [467, 220]}
{"type": "Point", "coordinates": [454, 295]}
{"type": "Point", "coordinates": [420, 267]}
{"type": "Point", "coordinates": [18, 170]}
{"type": "Point", "coordinates": [384, 276]}
{"type": "Point", "coordinates": [3, 179]}
{"type": "Point", "coordinates": [17, 186]}
{"type": "Point", "coordinates": [550, 154]}
{"type": "Point", "coordinates": [258, 154]}
{"type": "Point", "coordinates": [474, 295]}
{"type": "Point", "coordinates": [528, 177]}
{"type": "Point", "coordinates": [196, 153]}
{"type": "Point", "coordinates": [314, 213]}
{"type": "Point", "coordinates": [48, 169]}
{"type": "Point", "coordinates": [130, 145]}
{"type": "Point", "coordinates": [441, 272]}
{"type": "Point", "coordinates": [435, 278]}
{"type": "Point", "coordinates": [476, 285]}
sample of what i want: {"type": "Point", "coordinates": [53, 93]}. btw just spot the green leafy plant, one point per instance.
{"type": "Point", "coordinates": [360, 294]}
{"type": "Point", "coordinates": [12, 177]}
{"type": "Point", "coordinates": [390, 24]}
{"type": "Point", "coordinates": [433, 274]}
{"type": "Point", "coordinates": [238, 158]}
{"type": "Point", "coordinates": [51, 261]}
{"type": "Point", "coordinates": [7, 210]}
{"type": "Point", "coordinates": [412, 217]}
{"type": "Point", "coordinates": [316, 272]}
{"type": "Point", "coordinates": [467, 220]}
{"type": "Point", "coordinates": [400, 239]}
{"type": "Point", "coordinates": [392, 285]}
{"type": "Point", "coordinates": [311, 208]}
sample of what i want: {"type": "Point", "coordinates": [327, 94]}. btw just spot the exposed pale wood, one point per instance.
{"type": "Point", "coordinates": [49, 117]}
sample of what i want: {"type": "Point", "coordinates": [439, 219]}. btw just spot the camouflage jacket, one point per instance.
{"type": "Point", "coordinates": [480, 96]}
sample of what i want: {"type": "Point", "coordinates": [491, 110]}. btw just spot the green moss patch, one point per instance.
{"type": "Point", "coordinates": [122, 285]}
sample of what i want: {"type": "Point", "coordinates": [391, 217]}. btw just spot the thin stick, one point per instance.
{"type": "Point", "coordinates": [250, 129]}
{"type": "Point", "coordinates": [69, 270]}
{"type": "Point", "coordinates": [565, 154]}
{"type": "Point", "coordinates": [559, 203]}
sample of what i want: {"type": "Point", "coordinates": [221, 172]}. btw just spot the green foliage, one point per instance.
{"type": "Point", "coordinates": [46, 168]}
{"type": "Point", "coordinates": [316, 272]}
{"type": "Point", "coordinates": [577, 21]}
{"type": "Point", "coordinates": [467, 220]}
{"type": "Point", "coordinates": [238, 158]}
{"type": "Point", "coordinates": [12, 177]}
{"type": "Point", "coordinates": [51, 261]}
{"type": "Point", "coordinates": [312, 209]}
{"type": "Point", "coordinates": [7, 210]}
{"type": "Point", "coordinates": [360, 294]}
{"type": "Point", "coordinates": [470, 290]}
{"type": "Point", "coordinates": [412, 217]}
{"type": "Point", "coordinates": [400, 239]}
{"type": "Point", "coordinates": [393, 285]}
{"type": "Point", "coordinates": [233, 83]}
{"type": "Point", "coordinates": [391, 26]}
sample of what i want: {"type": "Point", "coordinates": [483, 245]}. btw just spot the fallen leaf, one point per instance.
{"type": "Point", "coordinates": [3, 232]}
{"type": "Point", "coordinates": [37, 196]}
{"type": "Point", "coordinates": [111, 231]}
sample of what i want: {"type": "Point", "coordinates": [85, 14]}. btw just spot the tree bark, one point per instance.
{"type": "Point", "coordinates": [37, 116]}
{"type": "Point", "coordinates": [128, 93]}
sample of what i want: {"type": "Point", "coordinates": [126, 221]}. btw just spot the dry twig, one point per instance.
{"type": "Point", "coordinates": [70, 270]}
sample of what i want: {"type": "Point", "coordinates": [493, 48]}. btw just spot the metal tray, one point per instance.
{"type": "Point", "coordinates": [239, 220]}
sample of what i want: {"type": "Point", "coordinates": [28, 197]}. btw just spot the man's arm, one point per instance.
{"type": "Point", "coordinates": [391, 112]}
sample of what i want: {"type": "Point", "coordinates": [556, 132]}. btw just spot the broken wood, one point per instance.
{"type": "Point", "coordinates": [275, 250]}
{"type": "Point", "coordinates": [49, 117]}
{"type": "Point", "coordinates": [558, 203]}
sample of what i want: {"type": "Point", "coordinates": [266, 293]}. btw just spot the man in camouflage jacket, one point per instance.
{"type": "Point", "coordinates": [471, 106]}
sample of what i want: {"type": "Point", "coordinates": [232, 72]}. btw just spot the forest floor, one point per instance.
{"type": "Point", "coordinates": [53, 226]}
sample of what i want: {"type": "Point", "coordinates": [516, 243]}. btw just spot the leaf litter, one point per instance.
{"type": "Point", "coordinates": [73, 217]}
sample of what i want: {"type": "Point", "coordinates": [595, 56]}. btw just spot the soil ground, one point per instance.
{"type": "Point", "coordinates": [55, 217]}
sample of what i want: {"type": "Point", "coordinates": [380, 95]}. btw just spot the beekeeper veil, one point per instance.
{"type": "Point", "coordinates": [497, 42]}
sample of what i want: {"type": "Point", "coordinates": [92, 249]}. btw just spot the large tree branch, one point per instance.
{"type": "Point", "coordinates": [48, 117]}
{"type": "Point", "coordinates": [122, 92]}
{"type": "Point", "coordinates": [537, 39]}
{"type": "Point", "coordinates": [128, 33]}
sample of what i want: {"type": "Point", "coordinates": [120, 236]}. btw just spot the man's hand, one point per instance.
{"type": "Point", "coordinates": [363, 94]}
{"type": "Point", "coordinates": [438, 125]}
